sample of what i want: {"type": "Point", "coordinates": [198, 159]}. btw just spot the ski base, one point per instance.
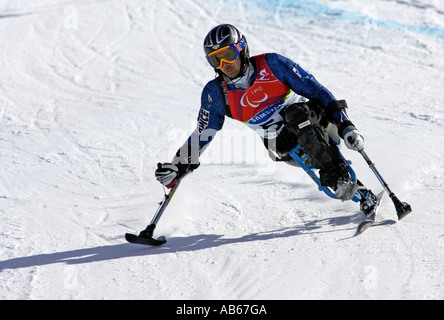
{"type": "Point", "coordinates": [132, 238]}
{"type": "Point", "coordinates": [364, 225]}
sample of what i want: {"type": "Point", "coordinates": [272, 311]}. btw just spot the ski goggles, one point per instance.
{"type": "Point", "coordinates": [227, 54]}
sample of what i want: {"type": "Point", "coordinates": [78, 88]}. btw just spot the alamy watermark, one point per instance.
{"type": "Point", "coordinates": [230, 146]}
{"type": "Point", "coordinates": [371, 278]}
{"type": "Point", "coordinates": [71, 18]}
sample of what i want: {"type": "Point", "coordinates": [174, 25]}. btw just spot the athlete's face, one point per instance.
{"type": "Point", "coordinates": [231, 70]}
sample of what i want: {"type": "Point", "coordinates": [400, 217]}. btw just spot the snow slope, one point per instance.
{"type": "Point", "coordinates": [94, 93]}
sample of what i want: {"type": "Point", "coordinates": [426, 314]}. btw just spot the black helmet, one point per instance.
{"type": "Point", "coordinates": [225, 35]}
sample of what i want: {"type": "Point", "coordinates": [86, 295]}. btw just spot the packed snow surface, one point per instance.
{"type": "Point", "coordinates": [94, 93]}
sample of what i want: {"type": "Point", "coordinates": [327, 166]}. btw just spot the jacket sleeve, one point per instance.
{"type": "Point", "coordinates": [210, 120]}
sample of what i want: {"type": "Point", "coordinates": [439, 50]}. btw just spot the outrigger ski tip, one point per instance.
{"type": "Point", "coordinates": [145, 237]}
{"type": "Point", "coordinates": [402, 208]}
{"type": "Point", "coordinates": [132, 238]}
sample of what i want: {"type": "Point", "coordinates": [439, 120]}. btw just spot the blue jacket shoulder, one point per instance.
{"type": "Point", "coordinates": [298, 79]}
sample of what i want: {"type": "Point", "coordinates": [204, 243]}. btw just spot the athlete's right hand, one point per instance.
{"type": "Point", "coordinates": [167, 174]}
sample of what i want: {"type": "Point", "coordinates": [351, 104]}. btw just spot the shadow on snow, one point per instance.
{"type": "Point", "coordinates": [174, 245]}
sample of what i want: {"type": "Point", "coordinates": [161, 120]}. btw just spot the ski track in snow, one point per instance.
{"type": "Point", "coordinates": [89, 103]}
